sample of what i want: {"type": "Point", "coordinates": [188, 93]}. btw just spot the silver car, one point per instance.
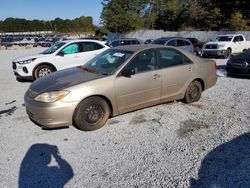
{"type": "Point", "coordinates": [119, 80]}
{"type": "Point", "coordinates": [181, 43]}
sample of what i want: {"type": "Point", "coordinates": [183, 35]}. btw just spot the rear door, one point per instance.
{"type": "Point", "coordinates": [176, 72]}
{"type": "Point", "coordinates": [141, 89]}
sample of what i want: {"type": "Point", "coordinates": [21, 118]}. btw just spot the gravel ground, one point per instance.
{"type": "Point", "coordinates": [204, 144]}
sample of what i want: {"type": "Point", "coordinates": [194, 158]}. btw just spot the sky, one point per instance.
{"type": "Point", "coordinates": [50, 9]}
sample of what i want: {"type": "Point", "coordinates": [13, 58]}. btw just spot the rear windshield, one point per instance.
{"type": "Point", "coordinates": [53, 48]}
{"type": "Point", "coordinates": [223, 38]}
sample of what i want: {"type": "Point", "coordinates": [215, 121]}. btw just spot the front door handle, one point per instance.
{"type": "Point", "coordinates": [190, 69]}
{"type": "Point", "coordinates": [156, 77]}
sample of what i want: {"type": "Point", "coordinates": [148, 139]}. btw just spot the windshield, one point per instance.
{"type": "Point", "coordinates": [223, 38]}
{"type": "Point", "coordinates": [53, 48]}
{"type": "Point", "coordinates": [107, 62]}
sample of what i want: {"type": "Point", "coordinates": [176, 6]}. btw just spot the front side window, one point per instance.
{"type": "Point", "coordinates": [108, 61]}
{"type": "Point", "coordinates": [144, 61]}
{"type": "Point", "coordinates": [170, 57]}
{"type": "Point", "coordinates": [71, 49]}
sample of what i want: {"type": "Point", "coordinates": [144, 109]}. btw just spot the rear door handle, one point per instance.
{"type": "Point", "coordinates": [190, 69]}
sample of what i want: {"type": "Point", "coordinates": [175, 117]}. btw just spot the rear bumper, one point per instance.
{"type": "Point", "coordinates": [50, 115]}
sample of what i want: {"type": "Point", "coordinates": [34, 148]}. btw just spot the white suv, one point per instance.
{"type": "Point", "coordinates": [62, 55]}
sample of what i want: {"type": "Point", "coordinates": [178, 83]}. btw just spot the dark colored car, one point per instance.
{"type": "Point", "coordinates": [197, 45]}
{"type": "Point", "coordinates": [239, 64]}
{"type": "Point", "coordinates": [127, 41]}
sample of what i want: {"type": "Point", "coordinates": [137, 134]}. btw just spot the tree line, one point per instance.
{"type": "Point", "coordinates": [81, 24]}
{"type": "Point", "coordinates": [127, 15]}
{"type": "Point", "coordinates": [174, 15]}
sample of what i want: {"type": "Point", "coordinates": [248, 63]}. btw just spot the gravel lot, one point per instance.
{"type": "Point", "coordinates": [204, 144]}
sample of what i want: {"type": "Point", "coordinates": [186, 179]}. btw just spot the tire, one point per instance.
{"type": "Point", "coordinates": [42, 70]}
{"type": "Point", "coordinates": [193, 92]}
{"type": "Point", "coordinates": [227, 53]}
{"type": "Point", "coordinates": [91, 114]}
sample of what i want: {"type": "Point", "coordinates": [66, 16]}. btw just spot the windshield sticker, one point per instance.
{"type": "Point", "coordinates": [118, 54]}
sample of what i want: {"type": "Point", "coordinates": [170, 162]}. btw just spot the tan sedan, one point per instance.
{"type": "Point", "coordinates": [119, 80]}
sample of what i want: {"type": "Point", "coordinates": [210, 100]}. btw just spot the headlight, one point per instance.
{"type": "Point", "coordinates": [221, 45]}
{"type": "Point", "coordinates": [27, 61]}
{"type": "Point", "coordinates": [51, 96]}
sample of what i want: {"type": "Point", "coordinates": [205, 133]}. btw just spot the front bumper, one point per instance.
{"type": "Point", "coordinates": [50, 115]}
{"type": "Point", "coordinates": [237, 70]}
{"type": "Point", "coordinates": [213, 53]}
{"type": "Point", "coordinates": [22, 71]}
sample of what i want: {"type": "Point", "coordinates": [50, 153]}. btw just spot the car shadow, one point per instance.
{"type": "Point", "coordinates": [43, 166]}
{"type": "Point", "coordinates": [22, 80]}
{"type": "Point", "coordinates": [227, 166]}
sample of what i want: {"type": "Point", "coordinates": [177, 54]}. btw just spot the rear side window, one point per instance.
{"type": "Point", "coordinates": [89, 46]}
{"type": "Point", "coordinates": [180, 43]}
{"type": "Point", "coordinates": [125, 42]}
{"type": "Point", "coordinates": [135, 42]}
{"type": "Point", "coordinates": [186, 43]}
{"type": "Point", "coordinates": [171, 57]}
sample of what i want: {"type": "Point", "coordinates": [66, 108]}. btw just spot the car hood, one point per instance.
{"type": "Point", "coordinates": [24, 58]}
{"type": "Point", "coordinates": [63, 79]}
{"type": "Point", "coordinates": [244, 56]}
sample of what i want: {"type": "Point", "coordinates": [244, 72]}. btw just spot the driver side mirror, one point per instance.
{"type": "Point", "coordinates": [61, 53]}
{"type": "Point", "coordinates": [128, 72]}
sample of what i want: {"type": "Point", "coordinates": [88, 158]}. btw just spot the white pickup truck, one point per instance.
{"type": "Point", "coordinates": [224, 45]}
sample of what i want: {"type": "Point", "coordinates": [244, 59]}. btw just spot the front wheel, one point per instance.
{"type": "Point", "coordinates": [193, 92]}
{"type": "Point", "coordinates": [91, 114]}
{"type": "Point", "coordinates": [227, 53]}
{"type": "Point", "coordinates": [43, 70]}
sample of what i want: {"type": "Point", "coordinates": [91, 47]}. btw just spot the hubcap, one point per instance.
{"type": "Point", "coordinates": [93, 114]}
{"type": "Point", "coordinates": [43, 72]}
{"type": "Point", "coordinates": [193, 91]}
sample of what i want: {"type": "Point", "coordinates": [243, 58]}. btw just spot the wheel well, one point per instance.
{"type": "Point", "coordinates": [202, 83]}
{"type": "Point", "coordinates": [106, 100]}
{"type": "Point", "coordinates": [45, 63]}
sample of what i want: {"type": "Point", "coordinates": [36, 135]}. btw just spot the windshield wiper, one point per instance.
{"type": "Point", "coordinates": [89, 70]}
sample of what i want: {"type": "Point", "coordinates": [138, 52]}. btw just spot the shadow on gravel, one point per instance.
{"type": "Point", "coordinates": [227, 166]}
{"type": "Point", "coordinates": [43, 166]}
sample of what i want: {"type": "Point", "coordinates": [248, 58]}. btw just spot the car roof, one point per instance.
{"type": "Point", "coordinates": [81, 40]}
{"type": "Point", "coordinates": [134, 48]}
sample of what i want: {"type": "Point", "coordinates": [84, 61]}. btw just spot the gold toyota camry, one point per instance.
{"type": "Point", "coordinates": [119, 80]}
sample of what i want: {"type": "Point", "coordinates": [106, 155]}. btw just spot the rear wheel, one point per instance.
{"type": "Point", "coordinates": [91, 114]}
{"type": "Point", "coordinates": [193, 92]}
{"type": "Point", "coordinates": [43, 70]}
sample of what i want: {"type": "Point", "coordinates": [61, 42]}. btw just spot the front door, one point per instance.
{"type": "Point", "coordinates": [141, 89]}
